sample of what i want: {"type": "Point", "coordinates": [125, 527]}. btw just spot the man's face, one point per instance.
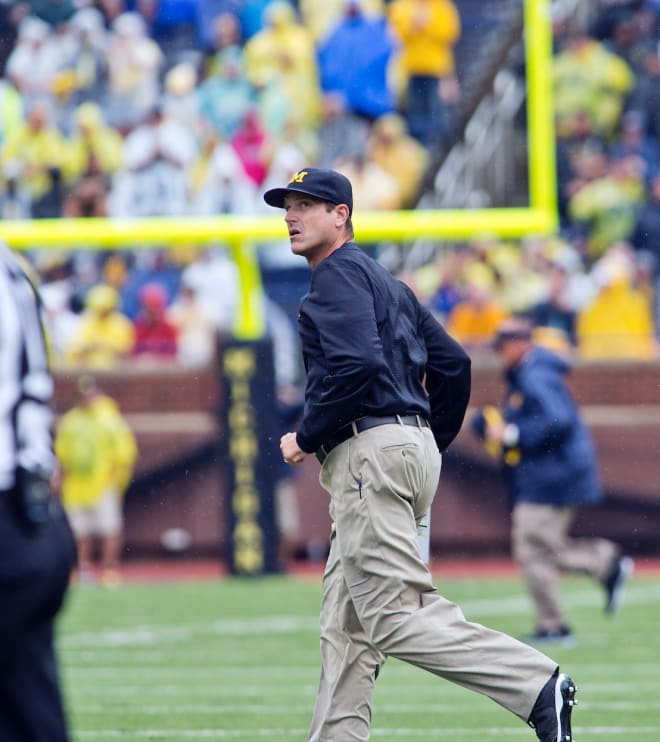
{"type": "Point", "coordinates": [511, 351]}
{"type": "Point", "coordinates": [313, 225]}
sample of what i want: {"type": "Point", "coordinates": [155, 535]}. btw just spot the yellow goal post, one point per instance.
{"type": "Point", "coordinates": [241, 233]}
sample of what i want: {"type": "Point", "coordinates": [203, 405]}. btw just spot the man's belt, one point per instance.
{"type": "Point", "coordinates": [366, 423]}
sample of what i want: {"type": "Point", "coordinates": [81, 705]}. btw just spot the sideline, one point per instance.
{"type": "Point", "coordinates": [196, 570]}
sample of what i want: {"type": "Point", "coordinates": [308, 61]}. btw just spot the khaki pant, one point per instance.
{"type": "Point", "coordinates": [543, 549]}
{"type": "Point", "coordinates": [378, 596]}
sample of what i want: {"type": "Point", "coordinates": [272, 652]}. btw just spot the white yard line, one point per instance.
{"type": "Point", "coordinates": [288, 734]}
{"type": "Point", "coordinates": [401, 708]}
{"type": "Point", "coordinates": [640, 594]}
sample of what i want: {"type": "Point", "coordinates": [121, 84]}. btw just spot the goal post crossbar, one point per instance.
{"type": "Point", "coordinates": [241, 232]}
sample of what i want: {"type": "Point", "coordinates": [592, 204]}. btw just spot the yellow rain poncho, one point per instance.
{"type": "Point", "coordinates": [96, 450]}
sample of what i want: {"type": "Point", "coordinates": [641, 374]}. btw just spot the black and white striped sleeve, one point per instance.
{"type": "Point", "coordinates": [26, 385]}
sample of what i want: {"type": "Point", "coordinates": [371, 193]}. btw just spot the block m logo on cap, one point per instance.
{"type": "Point", "coordinates": [299, 176]}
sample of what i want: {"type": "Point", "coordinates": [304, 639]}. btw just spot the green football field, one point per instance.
{"type": "Point", "coordinates": [238, 659]}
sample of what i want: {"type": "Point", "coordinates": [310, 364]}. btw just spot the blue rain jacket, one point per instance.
{"type": "Point", "coordinates": [557, 464]}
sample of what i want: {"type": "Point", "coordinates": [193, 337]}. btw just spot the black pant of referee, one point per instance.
{"type": "Point", "coordinates": [35, 565]}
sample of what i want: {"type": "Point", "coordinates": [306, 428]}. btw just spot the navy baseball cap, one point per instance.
{"type": "Point", "coordinates": [326, 185]}
{"type": "Point", "coordinates": [512, 329]}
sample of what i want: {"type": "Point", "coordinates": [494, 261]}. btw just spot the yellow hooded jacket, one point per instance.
{"type": "Point", "coordinates": [96, 450]}
{"type": "Point", "coordinates": [428, 30]}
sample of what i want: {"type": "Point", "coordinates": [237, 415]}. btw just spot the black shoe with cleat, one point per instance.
{"type": "Point", "coordinates": [562, 637]}
{"type": "Point", "coordinates": [551, 715]}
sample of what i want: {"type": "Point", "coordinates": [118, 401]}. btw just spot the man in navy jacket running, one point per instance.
{"type": "Point", "coordinates": [549, 461]}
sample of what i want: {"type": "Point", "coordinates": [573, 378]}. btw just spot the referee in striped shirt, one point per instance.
{"type": "Point", "coordinates": [37, 550]}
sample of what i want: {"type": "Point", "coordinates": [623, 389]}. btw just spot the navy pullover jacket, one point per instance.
{"type": "Point", "coordinates": [370, 348]}
{"type": "Point", "coordinates": [558, 460]}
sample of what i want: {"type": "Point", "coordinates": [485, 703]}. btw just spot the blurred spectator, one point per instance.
{"type": "Point", "coordinates": [96, 450]}
{"type": "Point", "coordinates": [155, 335]}
{"type": "Point", "coordinates": [197, 172]}
{"type": "Point", "coordinates": [215, 281]}
{"type": "Point", "coordinates": [284, 49]}
{"type": "Point", "coordinates": [473, 321]}
{"type": "Point", "coordinates": [90, 64]}
{"type": "Point", "coordinates": [519, 279]}
{"type": "Point", "coordinates": [649, 18]}
{"type": "Point", "coordinates": [590, 81]}
{"type": "Point", "coordinates": [627, 38]}
{"type": "Point", "coordinates": [374, 189]}
{"type": "Point", "coordinates": [134, 64]}
{"type": "Point", "coordinates": [180, 100]}
{"type": "Point", "coordinates": [173, 25]}
{"type": "Point", "coordinates": [226, 188]}
{"type": "Point", "coordinates": [88, 196]}
{"type": "Point", "coordinates": [93, 145]}
{"type": "Point", "coordinates": [402, 156]}
{"type": "Point", "coordinates": [653, 7]}
{"type": "Point", "coordinates": [320, 16]}
{"type": "Point", "coordinates": [104, 336]}
{"type": "Point", "coordinates": [428, 30]}
{"type": "Point", "coordinates": [35, 60]}
{"type": "Point", "coordinates": [224, 30]}
{"type": "Point", "coordinates": [63, 100]}
{"type": "Point", "coordinates": [556, 311]}
{"type": "Point", "coordinates": [85, 275]}
{"type": "Point", "coordinates": [342, 133]}
{"type": "Point", "coordinates": [208, 12]}
{"type": "Point", "coordinates": [581, 158]}
{"type": "Point", "coordinates": [226, 94]}
{"type": "Point", "coordinates": [196, 336]}
{"type": "Point", "coordinates": [609, 12]}
{"type": "Point", "coordinates": [149, 266]}
{"type": "Point", "coordinates": [354, 60]}
{"type": "Point", "coordinates": [252, 15]}
{"type": "Point", "coordinates": [618, 323]}
{"type": "Point", "coordinates": [112, 9]}
{"type": "Point", "coordinates": [57, 295]}
{"type": "Point", "coordinates": [290, 152]}
{"type": "Point", "coordinates": [253, 146]}
{"type": "Point", "coordinates": [11, 14]}
{"type": "Point", "coordinates": [153, 180]}
{"type": "Point", "coordinates": [607, 206]}
{"type": "Point", "coordinates": [115, 270]}
{"type": "Point", "coordinates": [53, 13]}
{"type": "Point", "coordinates": [633, 141]}
{"type": "Point", "coordinates": [292, 147]}
{"type": "Point", "coordinates": [34, 155]}
{"type": "Point", "coordinates": [440, 289]}
{"type": "Point", "coordinates": [284, 123]}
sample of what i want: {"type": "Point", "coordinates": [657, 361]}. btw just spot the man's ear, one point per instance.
{"type": "Point", "coordinates": [342, 214]}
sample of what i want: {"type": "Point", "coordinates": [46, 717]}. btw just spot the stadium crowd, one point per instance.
{"type": "Point", "coordinates": [135, 108]}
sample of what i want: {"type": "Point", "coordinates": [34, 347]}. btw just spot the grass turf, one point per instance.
{"type": "Point", "coordinates": [238, 659]}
